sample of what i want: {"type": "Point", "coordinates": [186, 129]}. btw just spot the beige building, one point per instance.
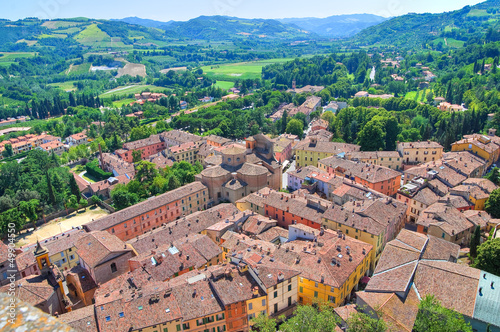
{"type": "Point", "coordinates": [420, 152]}
{"type": "Point", "coordinates": [243, 171]}
{"type": "Point", "coordinates": [389, 159]}
{"type": "Point", "coordinates": [184, 152]}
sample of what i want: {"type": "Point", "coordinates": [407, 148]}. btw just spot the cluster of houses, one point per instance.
{"type": "Point", "coordinates": [45, 142]}
{"type": "Point", "coordinates": [371, 232]}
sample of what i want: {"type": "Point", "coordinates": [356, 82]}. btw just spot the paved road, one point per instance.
{"type": "Point", "coordinates": [372, 74]}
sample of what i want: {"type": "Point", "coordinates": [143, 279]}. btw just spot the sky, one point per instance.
{"type": "Point", "coordinates": [182, 10]}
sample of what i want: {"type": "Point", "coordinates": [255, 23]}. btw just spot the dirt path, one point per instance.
{"type": "Point", "coordinates": [53, 228]}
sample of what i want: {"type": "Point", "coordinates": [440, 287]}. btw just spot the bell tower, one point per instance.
{"type": "Point", "coordinates": [42, 257]}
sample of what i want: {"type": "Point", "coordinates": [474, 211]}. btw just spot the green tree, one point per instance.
{"type": "Point", "coordinates": [50, 189]}
{"type": "Point", "coordinates": [284, 121]}
{"type": "Point", "coordinates": [72, 202]}
{"type": "Point", "coordinates": [494, 176]}
{"type": "Point", "coordinates": [136, 156]}
{"type": "Point", "coordinates": [310, 319]}
{"type": "Point", "coordinates": [122, 198]}
{"type": "Point", "coordinates": [361, 322]}
{"type": "Point", "coordinates": [146, 171]}
{"type": "Point", "coordinates": [371, 137]}
{"type": "Point", "coordinates": [29, 209]}
{"type": "Point", "coordinates": [173, 183]}
{"type": "Point", "coordinates": [8, 152]}
{"type": "Point", "coordinates": [73, 186]}
{"type": "Point", "coordinates": [295, 127]}
{"type": "Point", "coordinates": [492, 205]}
{"type": "Point", "coordinates": [488, 257]}
{"type": "Point", "coordinates": [263, 323]}
{"type": "Point", "coordinates": [475, 241]}
{"type": "Point", "coordinates": [95, 199]}
{"type": "Point", "coordinates": [433, 317]}
{"type": "Point", "coordinates": [392, 131]}
{"type": "Point", "coordinates": [83, 203]}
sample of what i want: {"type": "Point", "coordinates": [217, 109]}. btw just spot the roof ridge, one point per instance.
{"type": "Point", "coordinates": [449, 271]}
{"type": "Point", "coordinates": [396, 267]}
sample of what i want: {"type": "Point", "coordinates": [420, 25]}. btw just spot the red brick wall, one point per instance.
{"type": "Point", "coordinates": [286, 219]}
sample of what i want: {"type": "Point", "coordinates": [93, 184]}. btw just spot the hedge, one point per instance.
{"type": "Point", "coordinates": [94, 170]}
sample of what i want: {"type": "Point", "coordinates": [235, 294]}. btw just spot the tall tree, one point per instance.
{"type": "Point", "coordinates": [488, 257]}
{"type": "Point", "coordinates": [371, 137]}
{"type": "Point", "coordinates": [284, 121]}
{"type": "Point", "coordinates": [73, 186]}
{"type": "Point", "coordinates": [475, 241]}
{"type": "Point", "coordinates": [50, 189]}
{"type": "Point", "coordinates": [492, 205]}
{"type": "Point", "coordinates": [433, 317]}
{"type": "Point", "coordinates": [295, 127]}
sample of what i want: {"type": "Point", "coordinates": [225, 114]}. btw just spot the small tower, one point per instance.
{"type": "Point", "coordinates": [294, 84]}
{"type": "Point", "coordinates": [42, 258]}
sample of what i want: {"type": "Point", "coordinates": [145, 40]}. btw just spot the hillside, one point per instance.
{"type": "Point", "coordinates": [144, 22]}
{"type": "Point", "coordinates": [453, 29]}
{"type": "Point", "coordinates": [228, 28]}
{"type": "Point", "coordinates": [337, 26]}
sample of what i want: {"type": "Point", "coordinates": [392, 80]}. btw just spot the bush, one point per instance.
{"type": "Point", "coordinates": [94, 170]}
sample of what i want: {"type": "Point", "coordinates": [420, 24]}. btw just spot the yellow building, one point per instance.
{"type": "Point", "coordinates": [477, 191]}
{"type": "Point", "coordinates": [255, 307]}
{"type": "Point", "coordinates": [184, 152]}
{"type": "Point", "coordinates": [330, 272]}
{"type": "Point", "coordinates": [389, 159]}
{"type": "Point", "coordinates": [420, 152]}
{"type": "Point", "coordinates": [62, 250]}
{"type": "Point", "coordinates": [311, 150]}
{"type": "Point", "coordinates": [486, 147]}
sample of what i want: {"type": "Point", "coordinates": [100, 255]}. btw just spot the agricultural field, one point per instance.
{"type": "Point", "coordinates": [125, 91]}
{"type": "Point", "coordinates": [132, 69]}
{"type": "Point", "coordinates": [224, 85]}
{"type": "Point", "coordinates": [478, 12]}
{"type": "Point", "coordinates": [164, 71]}
{"type": "Point", "coordinates": [242, 70]}
{"type": "Point", "coordinates": [60, 24]}
{"type": "Point", "coordinates": [78, 69]}
{"type": "Point", "coordinates": [120, 103]}
{"type": "Point", "coordinates": [93, 36]}
{"type": "Point", "coordinates": [65, 86]}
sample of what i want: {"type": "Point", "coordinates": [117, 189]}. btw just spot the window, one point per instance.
{"type": "Point", "coordinates": [113, 268]}
{"type": "Point", "coordinates": [71, 257]}
{"type": "Point", "coordinates": [289, 288]}
{"type": "Point", "coordinates": [165, 329]}
{"type": "Point", "coordinates": [289, 301]}
{"type": "Point", "coordinates": [276, 292]}
{"type": "Point", "coordinates": [178, 327]}
{"type": "Point", "coordinates": [331, 298]}
{"type": "Point", "coordinates": [442, 235]}
{"type": "Point", "coordinates": [185, 326]}
{"type": "Point", "coordinates": [62, 254]}
{"type": "Point", "coordinates": [275, 307]}
{"type": "Point", "coordinates": [250, 306]}
{"type": "Point", "coordinates": [121, 314]}
{"type": "Point", "coordinates": [264, 302]}
{"type": "Point", "coordinates": [315, 294]}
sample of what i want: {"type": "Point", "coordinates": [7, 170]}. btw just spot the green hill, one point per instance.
{"type": "Point", "coordinates": [468, 25]}
{"type": "Point", "coordinates": [230, 28]}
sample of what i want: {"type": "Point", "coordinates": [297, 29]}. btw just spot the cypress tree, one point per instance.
{"type": "Point", "coordinates": [73, 186]}
{"type": "Point", "coordinates": [50, 189]}
{"type": "Point", "coordinates": [475, 241]}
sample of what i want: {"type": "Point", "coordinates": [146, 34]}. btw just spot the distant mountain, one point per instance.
{"type": "Point", "coordinates": [144, 22]}
{"type": "Point", "coordinates": [228, 28]}
{"type": "Point", "coordinates": [450, 29]}
{"type": "Point", "coordinates": [337, 26]}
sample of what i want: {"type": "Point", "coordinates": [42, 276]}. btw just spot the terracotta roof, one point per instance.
{"type": "Point", "coordinates": [426, 196]}
{"type": "Point", "coordinates": [298, 207]}
{"type": "Point", "coordinates": [153, 139]}
{"type": "Point", "coordinates": [193, 223]}
{"type": "Point", "coordinates": [58, 244]}
{"type": "Point", "coordinates": [34, 290]}
{"type": "Point", "coordinates": [272, 233]}
{"type": "Point", "coordinates": [4, 252]}
{"type": "Point", "coordinates": [316, 263]}
{"type": "Point", "coordinates": [25, 260]}
{"type": "Point", "coordinates": [235, 286]}
{"type": "Point", "coordinates": [420, 145]}
{"type": "Point", "coordinates": [368, 172]}
{"type": "Point", "coordinates": [94, 247]}
{"type": "Point", "coordinates": [82, 320]}
{"type": "Point", "coordinates": [86, 280]}
{"type": "Point", "coordinates": [448, 219]}
{"type": "Point", "coordinates": [328, 147]}
{"type": "Point", "coordinates": [151, 204]}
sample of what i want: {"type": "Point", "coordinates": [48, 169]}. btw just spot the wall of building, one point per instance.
{"type": "Point", "coordinates": [102, 273]}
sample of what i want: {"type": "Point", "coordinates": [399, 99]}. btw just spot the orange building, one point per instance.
{"type": "Point", "coordinates": [379, 178]}
{"type": "Point", "coordinates": [148, 146]}
{"type": "Point", "coordinates": [138, 219]}
{"type": "Point", "coordinates": [289, 209]}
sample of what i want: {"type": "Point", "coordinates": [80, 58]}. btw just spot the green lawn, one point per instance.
{"type": "Point", "coordinates": [65, 86]}
{"type": "Point", "coordinates": [478, 12]}
{"type": "Point", "coordinates": [120, 103]}
{"type": "Point", "coordinates": [224, 85]}
{"type": "Point", "coordinates": [242, 70]}
{"type": "Point", "coordinates": [11, 56]}
{"type": "Point", "coordinates": [132, 89]}
{"type": "Point", "coordinates": [80, 69]}
{"type": "Point", "coordinates": [95, 37]}
{"type": "Point", "coordinates": [89, 178]}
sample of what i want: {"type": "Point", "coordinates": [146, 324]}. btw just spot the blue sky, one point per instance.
{"type": "Point", "coordinates": [186, 9]}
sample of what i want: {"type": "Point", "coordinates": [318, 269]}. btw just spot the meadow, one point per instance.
{"type": "Point", "coordinates": [124, 91]}
{"type": "Point", "coordinates": [241, 70]}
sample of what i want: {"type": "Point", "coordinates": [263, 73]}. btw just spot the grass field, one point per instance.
{"type": "Point", "coordinates": [242, 70]}
{"type": "Point", "coordinates": [224, 85]}
{"type": "Point", "coordinates": [80, 69]}
{"type": "Point", "coordinates": [120, 103]}
{"type": "Point", "coordinates": [92, 35]}
{"type": "Point", "coordinates": [66, 86]}
{"type": "Point", "coordinates": [478, 12]}
{"type": "Point", "coordinates": [132, 89]}
{"type": "Point", "coordinates": [11, 56]}
{"type": "Point", "coordinates": [60, 24]}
